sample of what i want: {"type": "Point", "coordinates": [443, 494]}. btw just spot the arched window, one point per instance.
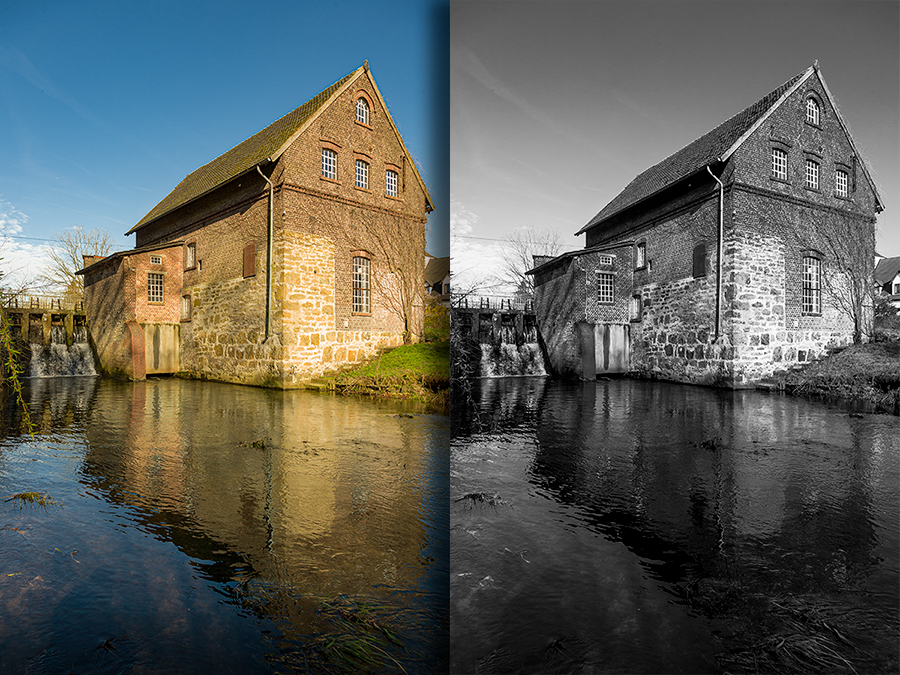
{"type": "Point", "coordinates": [812, 111]}
{"type": "Point", "coordinates": [700, 260]}
{"type": "Point", "coordinates": [362, 110]}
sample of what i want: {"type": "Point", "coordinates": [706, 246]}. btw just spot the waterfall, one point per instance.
{"type": "Point", "coordinates": [59, 359]}
{"type": "Point", "coordinates": [505, 360]}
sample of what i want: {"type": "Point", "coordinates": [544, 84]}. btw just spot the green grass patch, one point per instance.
{"type": "Point", "coordinates": [418, 372]}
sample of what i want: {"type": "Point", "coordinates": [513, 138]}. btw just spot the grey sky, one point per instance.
{"type": "Point", "coordinates": [556, 106]}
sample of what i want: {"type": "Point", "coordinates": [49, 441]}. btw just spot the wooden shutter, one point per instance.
{"type": "Point", "coordinates": [250, 259]}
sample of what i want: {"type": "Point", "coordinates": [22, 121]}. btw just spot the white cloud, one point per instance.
{"type": "Point", "coordinates": [21, 261]}
{"type": "Point", "coordinates": [475, 263]}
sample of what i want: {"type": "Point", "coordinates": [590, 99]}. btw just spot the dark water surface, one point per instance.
{"type": "Point", "coordinates": [204, 527]}
{"type": "Point", "coordinates": [639, 527]}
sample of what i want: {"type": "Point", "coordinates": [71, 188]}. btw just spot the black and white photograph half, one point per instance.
{"type": "Point", "coordinates": [675, 247]}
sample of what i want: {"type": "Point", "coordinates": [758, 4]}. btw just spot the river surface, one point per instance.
{"type": "Point", "coordinates": [202, 527]}
{"type": "Point", "coordinates": [638, 527]}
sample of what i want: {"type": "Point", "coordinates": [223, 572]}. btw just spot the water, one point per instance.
{"type": "Point", "coordinates": [58, 359]}
{"type": "Point", "coordinates": [201, 527]}
{"type": "Point", "coordinates": [508, 359]}
{"type": "Point", "coordinates": [627, 526]}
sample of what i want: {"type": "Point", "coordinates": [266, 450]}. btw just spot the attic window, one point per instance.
{"type": "Point", "coordinates": [840, 183]}
{"type": "Point", "coordinates": [329, 164]}
{"type": "Point", "coordinates": [362, 111]}
{"type": "Point", "coordinates": [812, 111]}
{"type": "Point", "coordinates": [155, 260]}
{"type": "Point", "coordinates": [362, 174]}
{"type": "Point", "coordinates": [779, 164]}
{"type": "Point", "coordinates": [606, 260]}
{"type": "Point", "coordinates": [812, 174]}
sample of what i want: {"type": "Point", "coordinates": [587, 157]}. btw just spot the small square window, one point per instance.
{"type": "Point", "coordinates": [606, 288]}
{"type": "Point", "coordinates": [606, 260]}
{"type": "Point", "coordinates": [812, 174]}
{"type": "Point", "coordinates": [155, 260]}
{"type": "Point", "coordinates": [779, 164]}
{"type": "Point", "coordinates": [362, 174]}
{"type": "Point", "coordinates": [329, 164]}
{"type": "Point", "coordinates": [154, 287]}
{"type": "Point", "coordinates": [840, 183]}
{"type": "Point", "coordinates": [390, 183]}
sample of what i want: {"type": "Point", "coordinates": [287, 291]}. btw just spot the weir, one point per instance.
{"type": "Point", "coordinates": [56, 335]}
{"type": "Point", "coordinates": [507, 338]}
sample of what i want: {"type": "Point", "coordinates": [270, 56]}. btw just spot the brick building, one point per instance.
{"type": "Point", "coordinates": [727, 261]}
{"type": "Point", "coordinates": [294, 253]}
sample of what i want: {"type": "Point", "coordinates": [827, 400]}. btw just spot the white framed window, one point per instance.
{"type": "Point", "coordinates": [779, 164]}
{"type": "Point", "coordinates": [154, 287]}
{"type": "Point", "coordinates": [190, 257]}
{"type": "Point", "coordinates": [640, 255]}
{"type": "Point", "coordinates": [362, 174]}
{"type": "Point", "coordinates": [329, 164]}
{"type": "Point", "coordinates": [155, 260]}
{"type": "Point", "coordinates": [606, 260]}
{"type": "Point", "coordinates": [362, 303]}
{"type": "Point", "coordinates": [606, 288]}
{"type": "Point", "coordinates": [812, 285]}
{"type": "Point", "coordinates": [840, 183]}
{"type": "Point", "coordinates": [185, 307]}
{"type": "Point", "coordinates": [390, 183]}
{"type": "Point", "coordinates": [812, 174]}
{"type": "Point", "coordinates": [812, 111]}
{"type": "Point", "coordinates": [362, 110]}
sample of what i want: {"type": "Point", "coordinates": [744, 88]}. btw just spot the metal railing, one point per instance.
{"type": "Point", "coordinates": [44, 302]}
{"type": "Point", "coordinates": [497, 302]}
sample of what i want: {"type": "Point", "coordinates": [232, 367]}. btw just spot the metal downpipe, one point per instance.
{"type": "Point", "coordinates": [720, 235]}
{"type": "Point", "coordinates": [269, 237]}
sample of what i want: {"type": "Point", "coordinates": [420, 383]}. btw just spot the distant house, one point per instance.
{"type": "Point", "coordinates": [437, 279]}
{"type": "Point", "coordinates": [296, 252]}
{"type": "Point", "coordinates": [727, 261]}
{"type": "Point", "coordinates": [887, 279]}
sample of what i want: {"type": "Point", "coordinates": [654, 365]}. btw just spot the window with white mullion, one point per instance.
{"type": "Point", "coordinates": [840, 183]}
{"type": "Point", "coordinates": [154, 287]}
{"type": "Point", "coordinates": [606, 288]}
{"type": "Point", "coordinates": [329, 164]}
{"type": "Point", "coordinates": [779, 164]}
{"type": "Point", "coordinates": [390, 183]}
{"type": "Point", "coordinates": [812, 285]}
{"type": "Point", "coordinates": [812, 111]}
{"type": "Point", "coordinates": [812, 174]}
{"type": "Point", "coordinates": [362, 174]}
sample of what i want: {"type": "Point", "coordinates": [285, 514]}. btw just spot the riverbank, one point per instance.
{"type": "Point", "coordinates": [419, 372]}
{"type": "Point", "coordinates": [868, 373]}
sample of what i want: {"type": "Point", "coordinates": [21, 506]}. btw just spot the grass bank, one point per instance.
{"type": "Point", "coordinates": [869, 373]}
{"type": "Point", "coordinates": [419, 372]}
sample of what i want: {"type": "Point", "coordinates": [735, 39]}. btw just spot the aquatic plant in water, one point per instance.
{"type": "Point", "coordinates": [39, 498]}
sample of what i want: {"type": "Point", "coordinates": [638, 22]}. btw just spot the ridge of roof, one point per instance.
{"type": "Point", "coordinates": [714, 146]}
{"type": "Point", "coordinates": [886, 270]}
{"type": "Point", "coordinates": [267, 144]}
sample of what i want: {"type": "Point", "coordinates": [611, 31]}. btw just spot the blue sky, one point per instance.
{"type": "Point", "coordinates": [556, 106]}
{"type": "Point", "coordinates": [106, 106]}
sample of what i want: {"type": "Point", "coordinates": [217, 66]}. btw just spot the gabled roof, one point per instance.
{"type": "Point", "coordinates": [266, 145]}
{"type": "Point", "coordinates": [713, 147]}
{"type": "Point", "coordinates": [132, 251]}
{"type": "Point", "coordinates": [436, 270]}
{"type": "Point", "coordinates": [886, 270]}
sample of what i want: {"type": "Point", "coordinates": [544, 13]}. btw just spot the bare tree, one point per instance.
{"type": "Point", "coordinates": [67, 257]}
{"type": "Point", "coordinates": [848, 267]}
{"type": "Point", "coordinates": [398, 271]}
{"type": "Point", "coordinates": [518, 252]}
